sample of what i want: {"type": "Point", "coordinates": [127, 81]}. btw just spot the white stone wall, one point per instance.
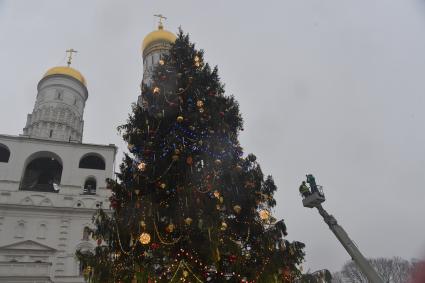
{"type": "Point", "coordinates": [45, 226]}
{"type": "Point", "coordinates": [58, 110]}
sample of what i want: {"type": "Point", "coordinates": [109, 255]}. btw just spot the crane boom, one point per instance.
{"type": "Point", "coordinates": [350, 247]}
{"type": "Point", "coordinates": [315, 198]}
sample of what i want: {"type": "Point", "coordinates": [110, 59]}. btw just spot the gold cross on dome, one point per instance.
{"type": "Point", "coordinates": [161, 17]}
{"type": "Point", "coordinates": [69, 53]}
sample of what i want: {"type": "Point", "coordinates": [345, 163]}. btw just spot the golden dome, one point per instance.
{"type": "Point", "coordinates": [67, 71]}
{"type": "Point", "coordinates": [158, 35]}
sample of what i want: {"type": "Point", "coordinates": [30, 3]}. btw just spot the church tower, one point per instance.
{"type": "Point", "coordinates": [59, 106]}
{"type": "Point", "coordinates": [154, 46]}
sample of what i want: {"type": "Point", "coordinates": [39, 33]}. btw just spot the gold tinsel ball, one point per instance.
{"type": "Point", "coordinates": [237, 208]}
{"type": "Point", "coordinates": [156, 90]}
{"type": "Point", "coordinates": [199, 103]}
{"type": "Point", "coordinates": [170, 228]}
{"type": "Point", "coordinates": [188, 221]}
{"type": "Point", "coordinates": [264, 214]}
{"type": "Point", "coordinates": [179, 119]}
{"type": "Point", "coordinates": [145, 238]}
{"type": "Point", "coordinates": [142, 166]}
{"type": "Point", "coordinates": [161, 62]}
{"type": "Point", "coordinates": [217, 194]}
{"type": "Point", "coordinates": [223, 226]}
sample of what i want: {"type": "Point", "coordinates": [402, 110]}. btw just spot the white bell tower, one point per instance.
{"type": "Point", "coordinates": [154, 46]}
{"type": "Point", "coordinates": [59, 106]}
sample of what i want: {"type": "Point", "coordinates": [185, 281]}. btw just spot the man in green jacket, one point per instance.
{"type": "Point", "coordinates": [304, 190]}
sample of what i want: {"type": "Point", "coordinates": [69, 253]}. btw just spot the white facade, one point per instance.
{"type": "Point", "coordinates": [50, 187]}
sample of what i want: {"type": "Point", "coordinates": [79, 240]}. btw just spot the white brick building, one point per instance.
{"type": "Point", "coordinates": [50, 185]}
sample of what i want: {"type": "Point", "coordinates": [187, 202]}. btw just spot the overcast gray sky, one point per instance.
{"type": "Point", "coordinates": [329, 87]}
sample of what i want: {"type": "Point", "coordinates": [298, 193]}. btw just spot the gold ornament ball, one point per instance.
{"type": "Point", "coordinates": [185, 273]}
{"type": "Point", "coordinates": [163, 185]}
{"type": "Point", "coordinates": [237, 208]}
{"type": "Point", "coordinates": [197, 59]}
{"type": "Point", "coordinates": [161, 62]}
{"type": "Point", "coordinates": [142, 166]}
{"type": "Point", "coordinates": [223, 226]}
{"type": "Point", "coordinates": [217, 162]}
{"type": "Point", "coordinates": [264, 214]}
{"type": "Point", "coordinates": [238, 168]}
{"type": "Point", "coordinates": [217, 194]}
{"type": "Point", "coordinates": [188, 221]}
{"type": "Point", "coordinates": [145, 238]}
{"type": "Point", "coordinates": [179, 119]}
{"type": "Point", "coordinates": [156, 90]}
{"type": "Point", "coordinates": [170, 228]}
{"type": "Point", "coordinates": [199, 103]}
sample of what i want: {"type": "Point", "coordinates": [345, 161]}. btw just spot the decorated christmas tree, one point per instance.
{"type": "Point", "coordinates": [187, 205]}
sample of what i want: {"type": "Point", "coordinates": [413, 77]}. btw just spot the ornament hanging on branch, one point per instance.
{"type": "Point", "coordinates": [223, 226]}
{"type": "Point", "coordinates": [145, 238]}
{"type": "Point", "coordinates": [141, 166]}
{"type": "Point", "coordinates": [170, 228]}
{"type": "Point", "coordinates": [188, 221]}
{"type": "Point", "coordinates": [264, 214]}
{"type": "Point", "coordinates": [156, 90]}
{"type": "Point", "coordinates": [237, 208]}
{"type": "Point", "coordinates": [197, 61]}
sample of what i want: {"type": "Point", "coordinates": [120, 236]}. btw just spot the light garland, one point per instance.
{"type": "Point", "coordinates": [162, 240]}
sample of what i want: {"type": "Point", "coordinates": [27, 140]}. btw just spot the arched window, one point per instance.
{"type": "Point", "coordinates": [43, 173]}
{"type": "Point", "coordinates": [92, 161]}
{"type": "Point", "coordinates": [86, 233]}
{"type": "Point", "coordinates": [4, 153]}
{"type": "Point", "coordinates": [89, 186]}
